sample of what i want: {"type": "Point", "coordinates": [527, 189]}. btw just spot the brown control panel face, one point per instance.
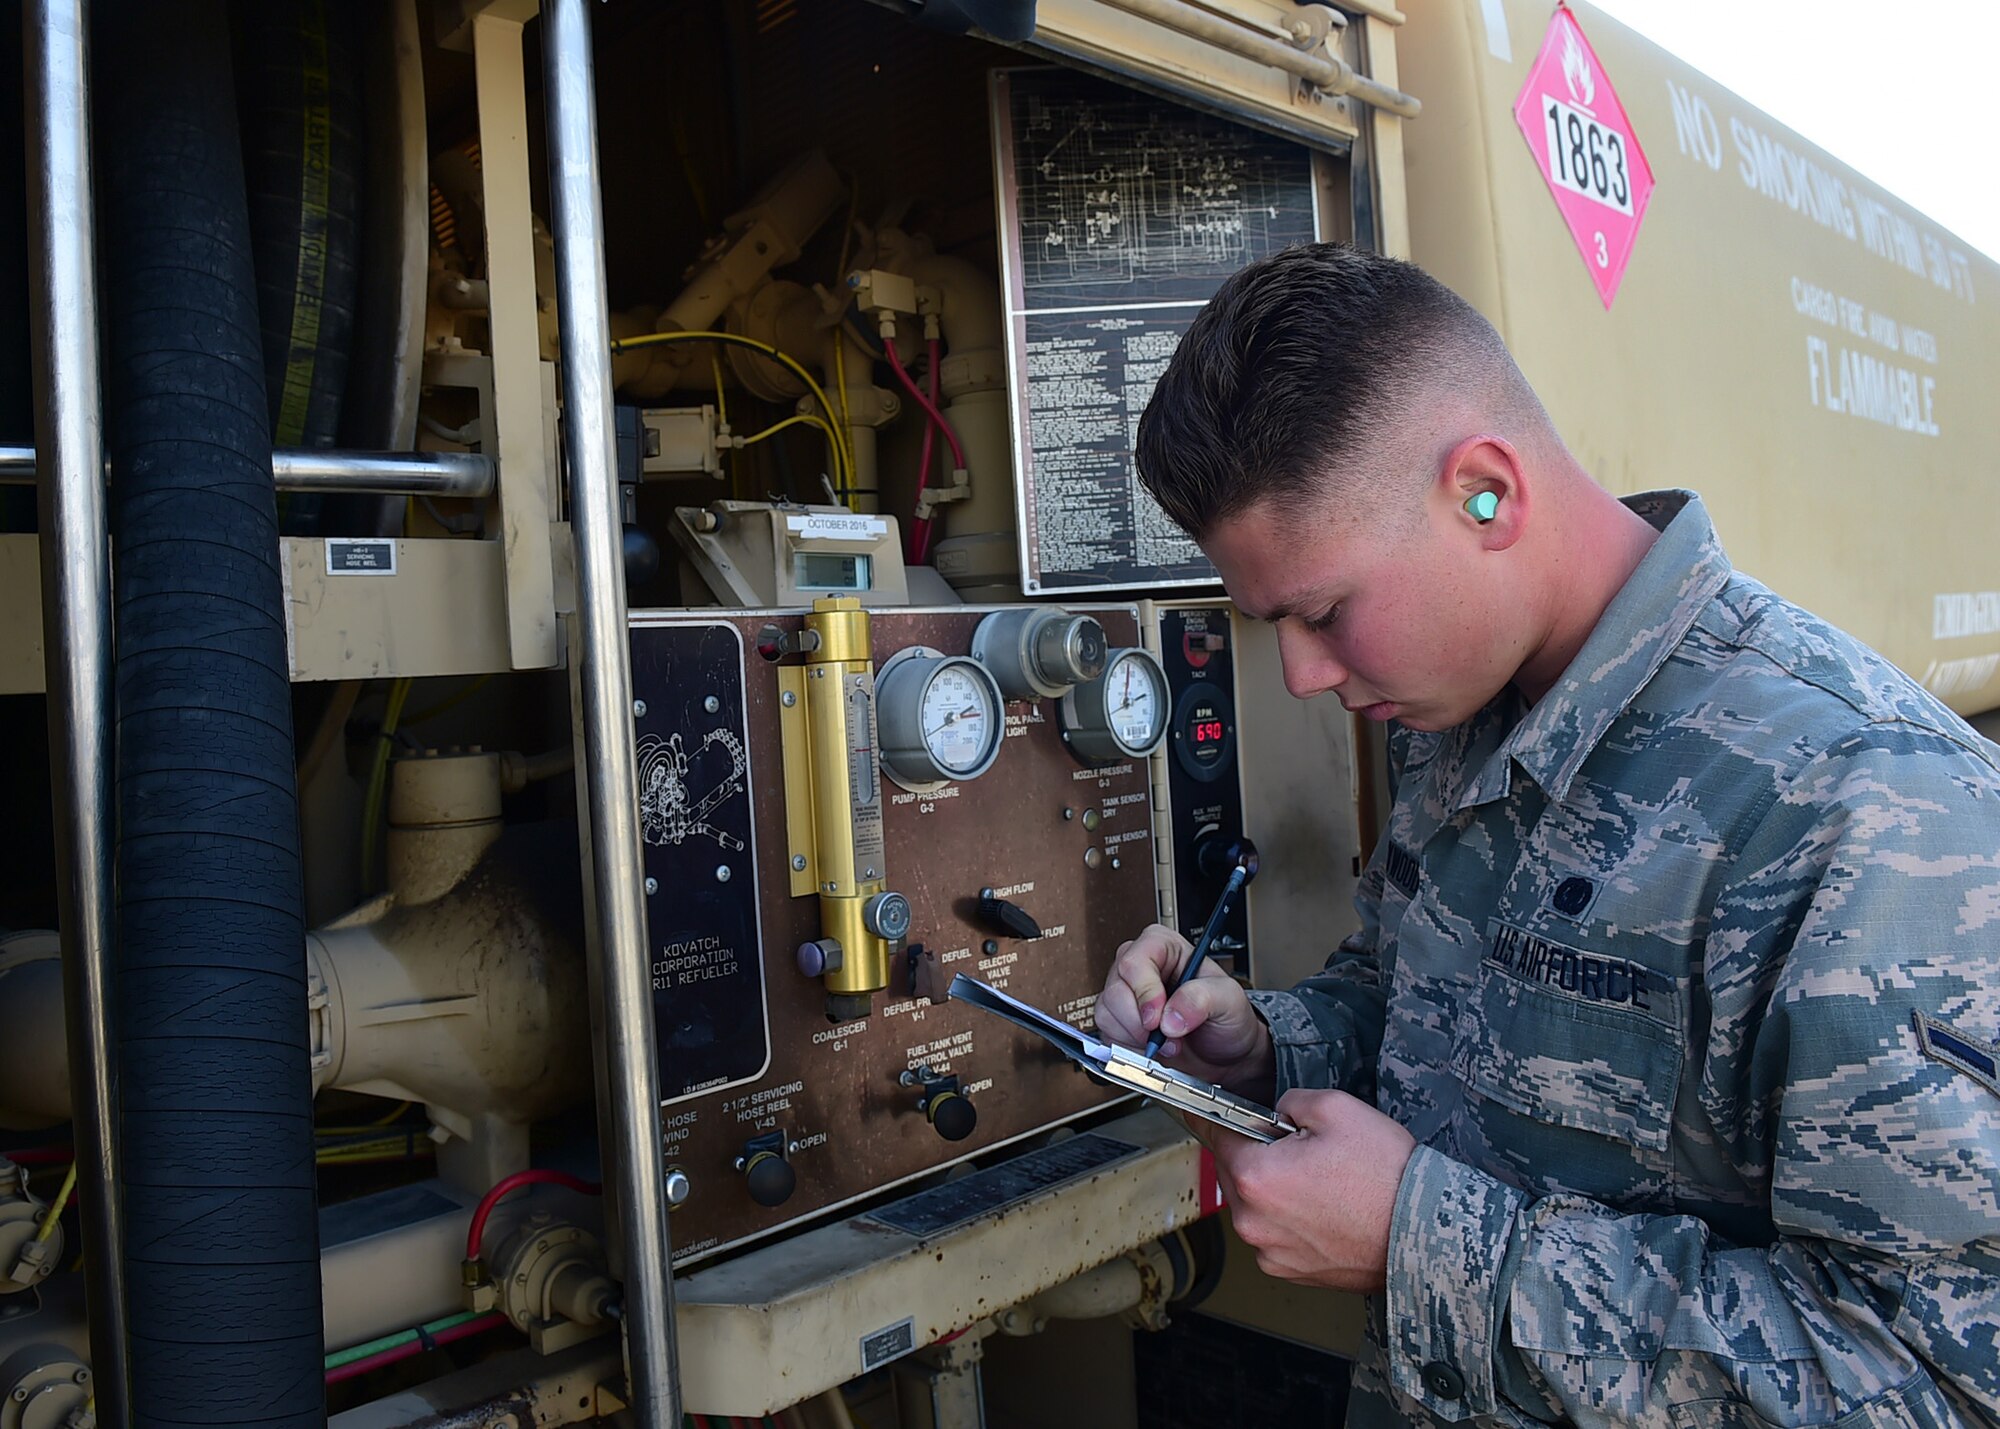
{"type": "Point", "coordinates": [767, 1100]}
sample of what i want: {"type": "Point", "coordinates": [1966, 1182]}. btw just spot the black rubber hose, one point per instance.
{"type": "Point", "coordinates": [298, 95]}
{"type": "Point", "coordinates": [215, 1086]}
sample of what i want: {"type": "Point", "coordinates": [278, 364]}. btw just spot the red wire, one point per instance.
{"type": "Point", "coordinates": [476, 1232]}
{"type": "Point", "coordinates": [920, 528]}
{"type": "Point", "coordinates": [930, 407]}
{"type": "Point", "coordinates": [492, 1320]}
{"type": "Point", "coordinates": [40, 1156]}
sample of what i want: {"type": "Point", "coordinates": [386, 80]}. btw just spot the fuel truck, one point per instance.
{"type": "Point", "coordinates": [566, 568]}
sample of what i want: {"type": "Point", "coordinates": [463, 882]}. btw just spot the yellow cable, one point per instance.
{"type": "Point", "coordinates": [722, 415]}
{"type": "Point", "coordinates": [846, 419]}
{"type": "Point", "coordinates": [387, 1148]}
{"type": "Point", "coordinates": [370, 1156]}
{"type": "Point", "coordinates": [378, 777]}
{"type": "Point", "coordinates": [806, 418]}
{"type": "Point", "coordinates": [333, 1131]}
{"type": "Point", "coordinates": [840, 339]}
{"type": "Point", "coordinates": [843, 471]}
{"type": "Point", "coordinates": [56, 1207]}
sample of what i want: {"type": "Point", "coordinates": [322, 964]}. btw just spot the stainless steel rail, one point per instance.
{"type": "Point", "coordinates": [459, 474]}
{"type": "Point", "coordinates": [629, 1111]}
{"type": "Point", "coordinates": [76, 634]}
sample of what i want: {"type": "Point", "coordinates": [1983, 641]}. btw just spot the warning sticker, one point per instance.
{"type": "Point", "coordinates": [1583, 142]}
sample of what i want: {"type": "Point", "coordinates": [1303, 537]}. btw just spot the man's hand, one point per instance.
{"type": "Point", "coordinates": [1212, 1031]}
{"type": "Point", "coordinates": [1316, 1206]}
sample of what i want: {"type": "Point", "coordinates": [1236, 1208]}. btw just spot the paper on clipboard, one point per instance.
{"type": "Point", "coordinates": [1124, 1068]}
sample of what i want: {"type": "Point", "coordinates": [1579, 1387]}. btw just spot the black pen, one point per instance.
{"type": "Point", "coordinates": [1245, 856]}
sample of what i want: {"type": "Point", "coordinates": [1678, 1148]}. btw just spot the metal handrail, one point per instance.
{"type": "Point", "coordinates": [629, 1078]}
{"type": "Point", "coordinates": [457, 474]}
{"type": "Point", "coordinates": [76, 636]}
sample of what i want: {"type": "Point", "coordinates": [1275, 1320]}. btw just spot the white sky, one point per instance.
{"type": "Point", "coordinates": [1902, 92]}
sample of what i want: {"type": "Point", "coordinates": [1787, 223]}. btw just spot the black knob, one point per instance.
{"type": "Point", "coordinates": [1010, 920]}
{"type": "Point", "coordinates": [1216, 858]}
{"type": "Point", "coordinates": [771, 1178]}
{"type": "Point", "coordinates": [953, 1114]}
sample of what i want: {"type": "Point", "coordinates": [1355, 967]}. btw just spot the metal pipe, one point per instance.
{"type": "Point", "coordinates": [1327, 71]}
{"type": "Point", "coordinates": [629, 1113]}
{"type": "Point", "coordinates": [460, 474]}
{"type": "Point", "coordinates": [457, 474]}
{"type": "Point", "coordinates": [76, 625]}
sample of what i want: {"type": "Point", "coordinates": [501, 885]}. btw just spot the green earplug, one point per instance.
{"type": "Point", "coordinates": [1484, 506]}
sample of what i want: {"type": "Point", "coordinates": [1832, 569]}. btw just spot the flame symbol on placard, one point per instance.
{"type": "Point", "coordinates": [1576, 68]}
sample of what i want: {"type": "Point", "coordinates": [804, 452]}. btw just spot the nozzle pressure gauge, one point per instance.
{"type": "Point", "coordinates": [1120, 715]}
{"type": "Point", "coordinates": [941, 717]}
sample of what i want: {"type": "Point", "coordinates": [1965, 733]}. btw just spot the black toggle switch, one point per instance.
{"type": "Point", "coordinates": [769, 1175]}
{"type": "Point", "coordinates": [1010, 920]}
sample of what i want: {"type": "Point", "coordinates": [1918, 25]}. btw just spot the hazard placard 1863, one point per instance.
{"type": "Point", "coordinates": [1583, 141]}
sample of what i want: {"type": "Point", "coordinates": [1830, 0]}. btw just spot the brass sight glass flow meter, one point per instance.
{"type": "Point", "coordinates": [833, 808]}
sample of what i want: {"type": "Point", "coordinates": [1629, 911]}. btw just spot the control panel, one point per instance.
{"type": "Point", "coordinates": [1198, 775]}
{"type": "Point", "coordinates": [841, 808]}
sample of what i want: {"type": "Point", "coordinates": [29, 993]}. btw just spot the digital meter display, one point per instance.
{"type": "Point", "coordinates": [829, 570]}
{"type": "Point", "coordinates": [1204, 730]}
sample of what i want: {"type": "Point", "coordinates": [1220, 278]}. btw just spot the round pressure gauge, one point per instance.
{"type": "Point", "coordinates": [941, 717]}
{"type": "Point", "coordinates": [1122, 714]}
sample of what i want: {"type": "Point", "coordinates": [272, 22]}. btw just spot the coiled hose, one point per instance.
{"type": "Point", "coordinates": [222, 1242]}
{"type": "Point", "coordinates": [298, 94]}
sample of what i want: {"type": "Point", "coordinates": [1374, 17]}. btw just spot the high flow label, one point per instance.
{"type": "Point", "coordinates": [1586, 149]}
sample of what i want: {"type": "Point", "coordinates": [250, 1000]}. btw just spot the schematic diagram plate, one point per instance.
{"type": "Point", "coordinates": [1120, 215]}
{"type": "Point", "coordinates": [696, 822]}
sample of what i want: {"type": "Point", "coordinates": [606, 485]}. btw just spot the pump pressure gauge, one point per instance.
{"type": "Point", "coordinates": [1120, 715]}
{"type": "Point", "coordinates": [941, 717]}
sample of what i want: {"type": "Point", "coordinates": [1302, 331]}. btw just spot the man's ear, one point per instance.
{"type": "Point", "coordinates": [1487, 486]}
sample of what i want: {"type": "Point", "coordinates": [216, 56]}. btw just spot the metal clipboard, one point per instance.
{"type": "Point", "coordinates": [1128, 1070]}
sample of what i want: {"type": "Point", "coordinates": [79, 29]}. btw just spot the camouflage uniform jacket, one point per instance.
{"type": "Point", "coordinates": [1687, 982]}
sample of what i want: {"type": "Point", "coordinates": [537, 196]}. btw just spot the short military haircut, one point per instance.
{"type": "Point", "coordinates": [1295, 366]}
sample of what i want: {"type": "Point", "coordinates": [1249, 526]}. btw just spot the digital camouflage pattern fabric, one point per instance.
{"type": "Point", "coordinates": [1687, 982]}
